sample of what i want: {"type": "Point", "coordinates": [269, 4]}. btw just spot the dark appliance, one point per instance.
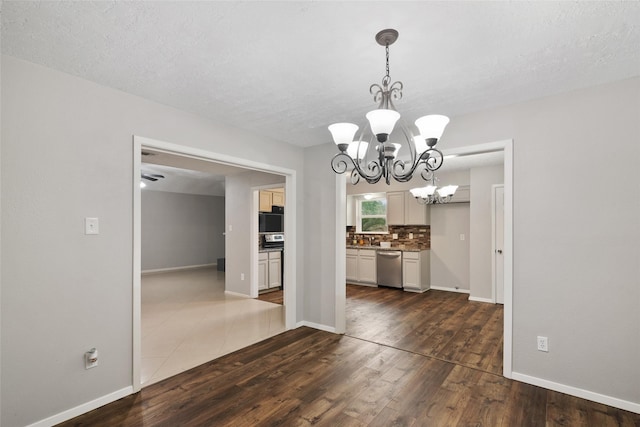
{"type": "Point", "coordinates": [277, 209]}
{"type": "Point", "coordinates": [270, 222]}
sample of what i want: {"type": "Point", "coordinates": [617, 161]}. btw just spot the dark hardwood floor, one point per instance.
{"type": "Point", "coordinates": [430, 373]}
{"type": "Point", "coordinates": [439, 324]}
{"type": "Point", "coordinates": [272, 296]}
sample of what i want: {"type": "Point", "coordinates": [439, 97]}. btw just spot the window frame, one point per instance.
{"type": "Point", "coordinates": [359, 217]}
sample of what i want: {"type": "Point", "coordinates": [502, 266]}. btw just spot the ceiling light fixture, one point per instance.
{"type": "Point", "coordinates": [431, 194]}
{"type": "Point", "coordinates": [142, 184]}
{"type": "Point", "coordinates": [374, 155]}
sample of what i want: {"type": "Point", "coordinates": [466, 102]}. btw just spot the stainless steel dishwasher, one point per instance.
{"type": "Point", "coordinates": [389, 268]}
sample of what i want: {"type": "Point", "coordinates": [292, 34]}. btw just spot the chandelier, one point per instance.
{"type": "Point", "coordinates": [374, 155]}
{"type": "Point", "coordinates": [431, 194]}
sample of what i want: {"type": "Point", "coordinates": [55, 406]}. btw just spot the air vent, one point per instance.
{"type": "Point", "coordinates": [147, 153]}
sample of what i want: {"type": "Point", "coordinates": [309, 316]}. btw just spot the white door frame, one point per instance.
{"type": "Point", "coordinates": [494, 287]}
{"type": "Point", "coordinates": [290, 226]}
{"type": "Point", "coordinates": [340, 249]}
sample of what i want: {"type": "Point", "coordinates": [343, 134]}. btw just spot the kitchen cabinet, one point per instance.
{"type": "Point", "coordinates": [404, 209]}
{"type": "Point", "coordinates": [367, 266]}
{"type": "Point", "coordinates": [275, 269]}
{"type": "Point", "coordinates": [269, 198]}
{"type": "Point", "coordinates": [414, 212]}
{"type": "Point", "coordinates": [361, 266]}
{"type": "Point", "coordinates": [277, 198]}
{"type": "Point", "coordinates": [266, 201]}
{"type": "Point", "coordinates": [395, 208]}
{"type": "Point", "coordinates": [351, 211]}
{"type": "Point", "coordinates": [263, 270]}
{"type": "Point", "coordinates": [352, 265]}
{"type": "Point", "coordinates": [269, 270]}
{"type": "Point", "coordinates": [416, 273]}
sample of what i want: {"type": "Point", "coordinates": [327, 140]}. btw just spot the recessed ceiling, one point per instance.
{"type": "Point", "coordinates": [299, 66]}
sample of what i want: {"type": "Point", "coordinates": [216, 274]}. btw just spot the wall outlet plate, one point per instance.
{"type": "Point", "coordinates": [543, 344]}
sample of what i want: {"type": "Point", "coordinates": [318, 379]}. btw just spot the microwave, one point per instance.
{"type": "Point", "coordinates": [270, 222]}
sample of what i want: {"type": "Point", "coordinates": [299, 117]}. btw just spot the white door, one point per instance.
{"type": "Point", "coordinates": [498, 242]}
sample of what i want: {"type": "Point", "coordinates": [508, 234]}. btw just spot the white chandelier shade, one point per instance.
{"type": "Point", "coordinates": [357, 150]}
{"type": "Point", "coordinates": [343, 133]}
{"type": "Point", "coordinates": [431, 194]}
{"type": "Point", "coordinates": [432, 126]}
{"type": "Point", "coordinates": [382, 122]}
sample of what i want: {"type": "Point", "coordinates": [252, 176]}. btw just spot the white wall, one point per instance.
{"type": "Point", "coordinates": [67, 154]}
{"type": "Point", "coordinates": [180, 230]}
{"type": "Point", "coordinates": [449, 254]}
{"type": "Point", "coordinates": [239, 216]}
{"type": "Point", "coordinates": [576, 269]}
{"type": "Point", "coordinates": [576, 258]}
{"type": "Point", "coordinates": [480, 229]}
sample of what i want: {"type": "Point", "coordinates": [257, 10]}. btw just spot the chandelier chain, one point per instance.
{"type": "Point", "coordinates": [387, 77]}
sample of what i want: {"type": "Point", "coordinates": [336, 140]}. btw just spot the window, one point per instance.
{"type": "Point", "coordinates": [372, 214]}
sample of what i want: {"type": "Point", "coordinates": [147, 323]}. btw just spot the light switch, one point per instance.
{"type": "Point", "coordinates": [462, 237]}
{"type": "Point", "coordinates": [91, 226]}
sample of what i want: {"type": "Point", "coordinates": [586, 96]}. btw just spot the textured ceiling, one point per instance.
{"type": "Point", "coordinates": [288, 69]}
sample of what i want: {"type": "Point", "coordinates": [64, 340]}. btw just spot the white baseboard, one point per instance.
{"type": "Point", "coordinates": [237, 294]}
{"type": "Point", "coordinates": [444, 288]}
{"type": "Point", "coordinates": [83, 409]}
{"type": "Point", "coordinates": [317, 326]}
{"type": "Point", "coordinates": [186, 267]}
{"type": "Point", "coordinates": [578, 392]}
{"type": "Point", "coordinates": [478, 299]}
{"type": "Point", "coordinates": [417, 291]}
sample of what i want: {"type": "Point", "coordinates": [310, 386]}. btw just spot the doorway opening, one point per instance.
{"type": "Point", "coordinates": [506, 147]}
{"type": "Point", "coordinates": [244, 240]}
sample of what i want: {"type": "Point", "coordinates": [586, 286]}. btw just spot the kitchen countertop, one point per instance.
{"type": "Point", "coordinates": [378, 248]}
{"type": "Point", "coordinates": [270, 250]}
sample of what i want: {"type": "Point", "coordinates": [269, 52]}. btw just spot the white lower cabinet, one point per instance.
{"type": "Point", "coordinates": [263, 270]}
{"type": "Point", "coordinates": [275, 269]}
{"type": "Point", "coordinates": [269, 270]}
{"type": "Point", "coordinates": [352, 265]}
{"type": "Point", "coordinates": [416, 274]}
{"type": "Point", "coordinates": [361, 266]}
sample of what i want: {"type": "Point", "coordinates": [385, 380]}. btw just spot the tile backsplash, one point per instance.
{"type": "Point", "coordinates": [421, 236]}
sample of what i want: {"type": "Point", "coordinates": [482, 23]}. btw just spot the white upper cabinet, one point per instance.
{"type": "Point", "coordinates": [415, 213]}
{"type": "Point", "coordinates": [395, 208]}
{"type": "Point", "coordinates": [404, 209]}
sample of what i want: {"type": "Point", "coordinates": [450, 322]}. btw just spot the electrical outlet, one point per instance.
{"type": "Point", "coordinates": [91, 226]}
{"type": "Point", "coordinates": [543, 344]}
{"type": "Point", "coordinates": [462, 237]}
{"type": "Point", "coordinates": [241, 276]}
{"type": "Point", "coordinates": [91, 359]}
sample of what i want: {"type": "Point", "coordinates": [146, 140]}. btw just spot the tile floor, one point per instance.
{"type": "Point", "coordinates": [187, 320]}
